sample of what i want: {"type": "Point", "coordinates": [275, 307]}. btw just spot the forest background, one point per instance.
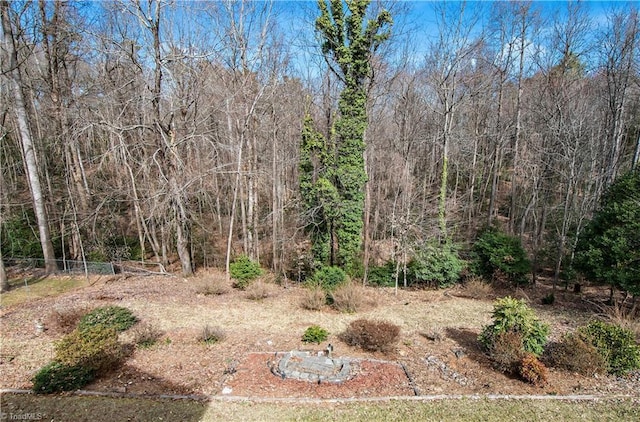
{"type": "Point", "coordinates": [171, 132]}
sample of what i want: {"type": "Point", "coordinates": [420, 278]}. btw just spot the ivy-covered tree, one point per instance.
{"type": "Point", "coordinates": [608, 250]}
{"type": "Point", "coordinates": [333, 188]}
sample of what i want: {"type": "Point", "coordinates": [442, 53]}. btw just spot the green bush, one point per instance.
{"type": "Point", "coordinates": [607, 249]}
{"type": "Point", "coordinates": [511, 314]}
{"type": "Point", "coordinates": [328, 278]}
{"type": "Point", "coordinates": [56, 377]}
{"type": "Point", "coordinates": [383, 275]}
{"type": "Point", "coordinates": [19, 236]}
{"type": "Point", "coordinates": [438, 265]}
{"type": "Point", "coordinates": [244, 270]}
{"type": "Point", "coordinates": [499, 253]}
{"type": "Point", "coordinates": [374, 336]}
{"type": "Point", "coordinates": [95, 348]}
{"type": "Point", "coordinates": [315, 334]}
{"type": "Point", "coordinates": [616, 345]}
{"type": "Point", "coordinates": [116, 317]}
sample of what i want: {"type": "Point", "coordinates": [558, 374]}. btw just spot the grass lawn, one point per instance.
{"type": "Point", "coordinates": [99, 409]}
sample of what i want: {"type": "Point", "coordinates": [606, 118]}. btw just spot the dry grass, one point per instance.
{"type": "Point", "coordinates": [213, 286]}
{"type": "Point", "coordinates": [313, 298]}
{"type": "Point", "coordinates": [476, 288]}
{"type": "Point", "coordinates": [629, 319]}
{"type": "Point", "coordinates": [145, 334]}
{"type": "Point", "coordinates": [259, 290]}
{"type": "Point", "coordinates": [349, 298]}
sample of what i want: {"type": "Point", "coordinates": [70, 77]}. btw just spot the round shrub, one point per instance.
{"type": "Point", "coordinates": [116, 317]}
{"type": "Point", "coordinates": [438, 265]}
{"type": "Point", "coordinates": [499, 253]}
{"type": "Point", "coordinates": [374, 336]}
{"type": "Point", "coordinates": [315, 334]}
{"type": "Point", "coordinates": [243, 270]}
{"type": "Point", "coordinates": [575, 354]}
{"type": "Point", "coordinates": [511, 314]}
{"type": "Point", "coordinates": [56, 377]}
{"type": "Point", "coordinates": [95, 348]}
{"type": "Point", "coordinates": [328, 278]}
{"type": "Point", "coordinates": [616, 345]}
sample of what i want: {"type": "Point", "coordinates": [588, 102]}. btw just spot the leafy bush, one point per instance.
{"type": "Point", "coordinates": [348, 297]}
{"type": "Point", "coordinates": [574, 354]}
{"type": "Point", "coordinates": [616, 345]}
{"type": "Point", "coordinates": [549, 299]}
{"type": "Point", "coordinates": [511, 314]}
{"type": "Point", "coordinates": [18, 236]}
{"type": "Point", "coordinates": [55, 377]}
{"type": "Point", "coordinates": [438, 265]}
{"type": "Point", "coordinates": [314, 298]}
{"type": "Point", "coordinates": [315, 334]}
{"type": "Point", "coordinates": [146, 335]}
{"type": "Point", "coordinates": [116, 317]}
{"type": "Point", "coordinates": [375, 336]}
{"type": "Point", "coordinates": [328, 278]}
{"type": "Point", "coordinates": [533, 371]}
{"type": "Point", "coordinates": [96, 348]}
{"type": "Point", "coordinates": [499, 253]}
{"type": "Point", "coordinates": [244, 270]}
{"type": "Point", "coordinates": [383, 276]}
{"type": "Point", "coordinates": [211, 335]}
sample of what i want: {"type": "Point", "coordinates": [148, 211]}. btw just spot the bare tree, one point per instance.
{"type": "Point", "coordinates": [14, 76]}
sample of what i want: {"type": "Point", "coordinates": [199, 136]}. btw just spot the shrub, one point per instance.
{"type": "Point", "coordinates": [438, 265]}
{"type": "Point", "coordinates": [315, 334]}
{"type": "Point", "coordinates": [533, 371]}
{"type": "Point", "coordinates": [258, 291]}
{"type": "Point", "coordinates": [348, 298]}
{"type": "Point", "coordinates": [476, 288]}
{"type": "Point", "coordinates": [511, 314]}
{"type": "Point", "coordinates": [314, 298]}
{"type": "Point", "coordinates": [244, 270]}
{"type": "Point", "coordinates": [146, 335]}
{"type": "Point", "coordinates": [616, 345]}
{"type": "Point", "coordinates": [211, 335]}
{"type": "Point", "coordinates": [506, 351]}
{"type": "Point", "coordinates": [328, 278]}
{"type": "Point", "coordinates": [500, 253]}
{"type": "Point", "coordinates": [549, 299]}
{"type": "Point", "coordinates": [96, 348]}
{"type": "Point", "coordinates": [116, 317]}
{"type": "Point", "coordinates": [215, 287]}
{"type": "Point", "coordinates": [383, 276]}
{"type": "Point", "coordinates": [56, 377]}
{"type": "Point", "coordinates": [574, 354]}
{"type": "Point", "coordinates": [375, 336]}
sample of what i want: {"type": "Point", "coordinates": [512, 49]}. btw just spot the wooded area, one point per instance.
{"type": "Point", "coordinates": [172, 131]}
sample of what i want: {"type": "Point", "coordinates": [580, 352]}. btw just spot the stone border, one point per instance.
{"type": "Point", "coordinates": [317, 365]}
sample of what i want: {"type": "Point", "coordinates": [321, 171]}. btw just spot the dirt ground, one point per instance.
{"type": "Point", "coordinates": [437, 354]}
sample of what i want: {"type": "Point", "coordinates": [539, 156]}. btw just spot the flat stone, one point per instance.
{"type": "Point", "coordinates": [307, 367]}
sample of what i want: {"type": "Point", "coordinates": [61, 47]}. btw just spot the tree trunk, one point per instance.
{"type": "Point", "coordinates": [28, 148]}
{"type": "Point", "coordinates": [4, 281]}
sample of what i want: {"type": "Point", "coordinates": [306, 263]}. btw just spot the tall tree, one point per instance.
{"type": "Point", "coordinates": [14, 74]}
{"type": "Point", "coordinates": [349, 41]}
